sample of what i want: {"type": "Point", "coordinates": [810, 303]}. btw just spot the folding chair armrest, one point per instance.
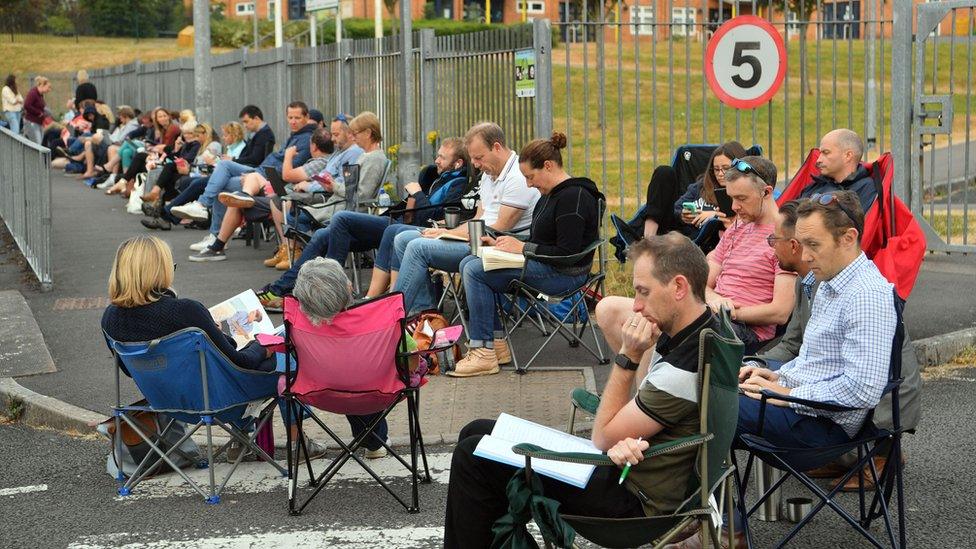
{"type": "Point", "coordinates": [401, 211]}
{"type": "Point", "coordinates": [567, 259]}
{"type": "Point", "coordinates": [585, 400]}
{"type": "Point", "coordinates": [826, 406]}
{"type": "Point", "coordinates": [307, 199]}
{"type": "Point", "coordinates": [600, 460]}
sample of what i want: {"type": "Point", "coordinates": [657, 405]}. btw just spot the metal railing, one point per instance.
{"type": "Point", "coordinates": [25, 200]}
{"type": "Point", "coordinates": [459, 79]}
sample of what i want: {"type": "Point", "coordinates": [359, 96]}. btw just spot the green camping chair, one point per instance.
{"type": "Point", "coordinates": [718, 369]}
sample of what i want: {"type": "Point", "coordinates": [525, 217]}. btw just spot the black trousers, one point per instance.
{"type": "Point", "coordinates": [136, 167]}
{"type": "Point", "coordinates": [663, 190]}
{"type": "Point", "coordinates": [476, 493]}
{"type": "Point", "coordinates": [167, 181]}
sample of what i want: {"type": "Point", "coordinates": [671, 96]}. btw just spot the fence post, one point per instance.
{"type": "Point", "coordinates": [902, 94]}
{"type": "Point", "coordinates": [345, 76]}
{"type": "Point", "coordinates": [542, 43]}
{"type": "Point", "coordinates": [409, 155]}
{"type": "Point", "coordinates": [428, 84]}
{"type": "Point", "coordinates": [243, 63]}
{"type": "Point", "coordinates": [137, 73]}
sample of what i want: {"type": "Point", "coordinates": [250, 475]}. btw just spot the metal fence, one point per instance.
{"type": "Point", "coordinates": [25, 200]}
{"type": "Point", "coordinates": [459, 80]}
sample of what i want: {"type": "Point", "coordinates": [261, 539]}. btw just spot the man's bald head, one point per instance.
{"type": "Point", "coordinates": [841, 151]}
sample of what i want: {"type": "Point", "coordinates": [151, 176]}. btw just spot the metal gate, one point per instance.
{"type": "Point", "coordinates": [943, 147]}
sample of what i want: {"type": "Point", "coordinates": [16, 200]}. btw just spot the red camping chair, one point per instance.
{"type": "Point", "coordinates": [896, 248]}
{"type": "Point", "coordinates": [357, 364]}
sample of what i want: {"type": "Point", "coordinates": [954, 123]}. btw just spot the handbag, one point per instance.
{"type": "Point", "coordinates": [135, 196]}
{"type": "Point", "coordinates": [423, 328]}
{"type": "Point", "coordinates": [128, 449]}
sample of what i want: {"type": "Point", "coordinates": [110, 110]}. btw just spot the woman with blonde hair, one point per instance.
{"type": "Point", "coordinates": [232, 134]}
{"type": "Point", "coordinates": [366, 133]}
{"type": "Point", "coordinates": [35, 109]}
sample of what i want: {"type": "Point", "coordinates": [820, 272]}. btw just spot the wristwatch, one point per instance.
{"type": "Point", "coordinates": [626, 363]}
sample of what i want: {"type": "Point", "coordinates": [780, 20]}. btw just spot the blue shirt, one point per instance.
{"type": "Point", "coordinates": [335, 164]}
{"type": "Point", "coordinates": [846, 351]}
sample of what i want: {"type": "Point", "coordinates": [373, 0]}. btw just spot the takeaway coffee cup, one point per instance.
{"type": "Point", "coordinates": [452, 216]}
{"type": "Point", "coordinates": [476, 229]}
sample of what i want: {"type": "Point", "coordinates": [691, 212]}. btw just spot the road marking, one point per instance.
{"type": "Point", "coordinates": [257, 477]}
{"type": "Point", "coordinates": [23, 490]}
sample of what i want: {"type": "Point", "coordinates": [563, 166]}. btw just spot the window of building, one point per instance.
{"type": "Point", "coordinates": [642, 19]}
{"type": "Point", "coordinates": [244, 8]}
{"type": "Point", "coordinates": [683, 22]}
{"type": "Point", "coordinates": [272, 6]}
{"type": "Point", "coordinates": [793, 24]}
{"type": "Point", "coordinates": [533, 7]}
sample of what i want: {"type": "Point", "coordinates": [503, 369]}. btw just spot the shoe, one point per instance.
{"type": "Point", "coordinates": [204, 244]}
{"type": "Point", "coordinates": [479, 362]}
{"type": "Point", "coordinates": [235, 449]}
{"type": "Point", "coordinates": [315, 450]}
{"type": "Point", "coordinates": [90, 182]}
{"type": "Point", "coordinates": [831, 470]}
{"type": "Point", "coordinates": [208, 254]}
{"type": "Point", "coordinates": [284, 264]}
{"type": "Point", "coordinates": [852, 483]}
{"type": "Point", "coordinates": [116, 188]}
{"type": "Point", "coordinates": [108, 183]}
{"type": "Point", "coordinates": [152, 209]}
{"type": "Point", "coordinates": [272, 302]}
{"type": "Point", "coordinates": [378, 453]}
{"type": "Point", "coordinates": [236, 199]}
{"type": "Point", "coordinates": [151, 196]}
{"type": "Point", "coordinates": [695, 541]}
{"type": "Point", "coordinates": [154, 223]}
{"type": "Point", "coordinates": [280, 254]}
{"type": "Point", "coordinates": [502, 352]}
{"type": "Point", "coordinates": [194, 210]}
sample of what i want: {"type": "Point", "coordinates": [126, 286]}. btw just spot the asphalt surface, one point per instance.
{"type": "Point", "coordinates": [77, 506]}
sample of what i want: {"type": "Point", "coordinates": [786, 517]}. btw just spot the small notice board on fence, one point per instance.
{"type": "Point", "coordinates": [525, 73]}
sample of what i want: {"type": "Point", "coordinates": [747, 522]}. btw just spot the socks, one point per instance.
{"type": "Point", "coordinates": [218, 245]}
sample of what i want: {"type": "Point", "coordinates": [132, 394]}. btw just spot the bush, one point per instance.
{"type": "Point", "coordinates": [59, 25]}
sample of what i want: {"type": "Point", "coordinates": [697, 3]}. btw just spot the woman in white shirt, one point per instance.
{"type": "Point", "coordinates": [13, 103]}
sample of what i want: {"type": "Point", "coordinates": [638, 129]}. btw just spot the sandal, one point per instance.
{"type": "Point", "coordinates": [117, 188]}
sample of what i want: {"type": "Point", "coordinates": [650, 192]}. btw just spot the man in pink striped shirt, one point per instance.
{"type": "Point", "coordinates": [744, 274]}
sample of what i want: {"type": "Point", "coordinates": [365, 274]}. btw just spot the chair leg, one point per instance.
{"type": "Point", "coordinates": [411, 419]}
{"type": "Point", "coordinates": [420, 439]}
{"type": "Point", "coordinates": [208, 425]}
{"type": "Point", "coordinates": [572, 419]}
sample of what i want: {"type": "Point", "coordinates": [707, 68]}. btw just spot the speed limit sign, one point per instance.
{"type": "Point", "coordinates": [745, 62]}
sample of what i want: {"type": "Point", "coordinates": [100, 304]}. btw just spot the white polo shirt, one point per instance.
{"type": "Point", "coordinates": [508, 189]}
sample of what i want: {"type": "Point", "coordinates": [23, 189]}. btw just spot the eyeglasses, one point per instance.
{"type": "Point", "coordinates": [825, 199]}
{"type": "Point", "coordinates": [721, 169]}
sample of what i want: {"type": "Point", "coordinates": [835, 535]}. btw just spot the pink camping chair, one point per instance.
{"type": "Point", "coordinates": [356, 364]}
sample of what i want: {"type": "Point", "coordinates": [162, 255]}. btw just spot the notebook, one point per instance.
{"type": "Point", "coordinates": [510, 430]}
{"type": "Point", "coordinates": [493, 259]}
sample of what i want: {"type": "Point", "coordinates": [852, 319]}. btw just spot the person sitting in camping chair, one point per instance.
{"type": "Point", "coordinates": [669, 274]}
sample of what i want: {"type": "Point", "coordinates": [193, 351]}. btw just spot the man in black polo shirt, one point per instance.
{"type": "Point", "coordinates": [670, 274]}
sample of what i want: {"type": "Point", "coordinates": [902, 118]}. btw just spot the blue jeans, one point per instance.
{"type": "Point", "coordinates": [13, 120]}
{"type": "Point", "coordinates": [187, 195]}
{"type": "Point", "coordinates": [420, 255]}
{"type": "Point", "coordinates": [318, 246]}
{"type": "Point", "coordinates": [225, 177]}
{"type": "Point", "coordinates": [387, 258]}
{"type": "Point", "coordinates": [354, 232]}
{"type": "Point", "coordinates": [481, 287]}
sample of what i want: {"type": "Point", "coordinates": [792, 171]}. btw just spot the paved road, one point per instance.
{"type": "Point", "coordinates": [50, 478]}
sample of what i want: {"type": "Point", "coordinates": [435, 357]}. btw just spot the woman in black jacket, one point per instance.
{"type": "Point", "coordinates": [565, 221]}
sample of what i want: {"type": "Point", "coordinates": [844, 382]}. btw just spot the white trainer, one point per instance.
{"type": "Point", "coordinates": [203, 244]}
{"type": "Point", "coordinates": [194, 210]}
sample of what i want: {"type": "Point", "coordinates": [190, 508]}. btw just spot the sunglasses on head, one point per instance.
{"type": "Point", "coordinates": [341, 118]}
{"type": "Point", "coordinates": [744, 167]}
{"type": "Point", "coordinates": [826, 199]}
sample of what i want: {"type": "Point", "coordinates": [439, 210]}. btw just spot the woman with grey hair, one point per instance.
{"type": "Point", "coordinates": [323, 290]}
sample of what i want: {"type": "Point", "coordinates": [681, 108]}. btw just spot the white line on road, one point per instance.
{"type": "Point", "coordinates": [257, 477]}
{"type": "Point", "coordinates": [23, 490]}
{"type": "Point", "coordinates": [351, 538]}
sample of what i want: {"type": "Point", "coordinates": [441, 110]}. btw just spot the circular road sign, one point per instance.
{"type": "Point", "coordinates": [745, 62]}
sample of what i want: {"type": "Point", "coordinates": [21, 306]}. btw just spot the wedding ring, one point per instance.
{"type": "Point", "coordinates": [634, 324]}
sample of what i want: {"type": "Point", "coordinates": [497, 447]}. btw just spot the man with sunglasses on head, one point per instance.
{"type": "Point", "coordinates": [789, 252]}
{"type": "Point", "coordinates": [840, 168]}
{"type": "Point", "coordinates": [744, 274]}
{"type": "Point", "coordinates": [845, 354]}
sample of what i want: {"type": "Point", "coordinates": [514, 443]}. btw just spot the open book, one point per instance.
{"type": "Point", "coordinates": [242, 317]}
{"type": "Point", "coordinates": [510, 430]}
{"type": "Point", "coordinates": [493, 259]}
{"type": "Point", "coordinates": [452, 236]}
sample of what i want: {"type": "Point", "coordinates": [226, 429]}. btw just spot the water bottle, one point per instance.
{"type": "Point", "coordinates": [384, 199]}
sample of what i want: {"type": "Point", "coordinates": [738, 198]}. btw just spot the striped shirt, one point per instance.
{"type": "Point", "coordinates": [749, 269]}
{"type": "Point", "coordinates": [846, 351]}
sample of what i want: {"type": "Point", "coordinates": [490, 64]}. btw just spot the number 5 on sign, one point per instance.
{"type": "Point", "coordinates": [745, 62]}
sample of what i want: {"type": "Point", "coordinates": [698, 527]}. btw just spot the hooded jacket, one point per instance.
{"type": "Point", "coordinates": [860, 182]}
{"type": "Point", "coordinates": [565, 222]}
{"type": "Point", "coordinates": [300, 140]}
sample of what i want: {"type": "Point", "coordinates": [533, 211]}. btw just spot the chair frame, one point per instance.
{"type": "Point", "coordinates": [723, 485]}
{"type": "Point", "coordinates": [891, 479]}
{"type": "Point", "coordinates": [207, 419]}
{"type": "Point", "coordinates": [297, 409]}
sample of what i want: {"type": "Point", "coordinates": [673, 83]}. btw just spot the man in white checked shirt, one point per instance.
{"type": "Point", "coordinates": [846, 347]}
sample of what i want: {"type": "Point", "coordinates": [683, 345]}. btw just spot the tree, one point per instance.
{"type": "Point", "coordinates": [804, 11]}
{"type": "Point", "coordinates": [130, 17]}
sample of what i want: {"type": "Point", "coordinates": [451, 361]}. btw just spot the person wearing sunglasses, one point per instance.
{"type": "Point", "coordinates": [846, 350]}
{"type": "Point", "coordinates": [840, 168]}
{"type": "Point", "coordinates": [744, 274]}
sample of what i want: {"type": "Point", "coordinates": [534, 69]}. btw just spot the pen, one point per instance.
{"type": "Point", "coordinates": [623, 474]}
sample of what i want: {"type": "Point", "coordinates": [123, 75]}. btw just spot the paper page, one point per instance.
{"type": "Point", "coordinates": [451, 236]}
{"type": "Point", "coordinates": [242, 317]}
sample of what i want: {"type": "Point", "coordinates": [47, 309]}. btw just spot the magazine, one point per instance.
{"type": "Point", "coordinates": [242, 317]}
{"type": "Point", "coordinates": [510, 430]}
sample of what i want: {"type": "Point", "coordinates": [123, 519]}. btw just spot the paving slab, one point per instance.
{"type": "Point", "coordinates": [22, 348]}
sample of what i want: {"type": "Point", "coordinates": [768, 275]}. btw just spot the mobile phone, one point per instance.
{"type": "Point", "coordinates": [689, 206]}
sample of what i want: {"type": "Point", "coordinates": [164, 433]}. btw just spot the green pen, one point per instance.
{"type": "Point", "coordinates": [623, 474]}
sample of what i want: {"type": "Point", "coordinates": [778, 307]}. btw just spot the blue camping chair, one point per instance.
{"type": "Point", "coordinates": [689, 162]}
{"type": "Point", "coordinates": [187, 378]}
